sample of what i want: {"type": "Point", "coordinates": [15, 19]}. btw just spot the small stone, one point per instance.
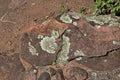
{"type": "Point", "coordinates": [77, 73]}
{"type": "Point", "coordinates": [66, 18]}
{"type": "Point", "coordinates": [75, 23]}
{"type": "Point", "coordinates": [119, 75]}
{"type": "Point", "coordinates": [60, 75]}
{"type": "Point", "coordinates": [44, 76]}
{"type": "Point", "coordinates": [52, 71]}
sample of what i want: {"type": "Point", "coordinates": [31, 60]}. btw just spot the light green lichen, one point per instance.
{"type": "Point", "coordinates": [116, 42]}
{"type": "Point", "coordinates": [66, 18]}
{"type": "Point", "coordinates": [97, 21]}
{"type": "Point", "coordinates": [104, 20]}
{"type": "Point", "coordinates": [63, 55]}
{"type": "Point", "coordinates": [75, 23]}
{"type": "Point", "coordinates": [48, 44]}
{"type": "Point", "coordinates": [74, 15]}
{"type": "Point", "coordinates": [32, 49]}
{"type": "Point", "coordinates": [55, 34]}
{"type": "Point", "coordinates": [79, 53]}
{"type": "Point", "coordinates": [39, 37]}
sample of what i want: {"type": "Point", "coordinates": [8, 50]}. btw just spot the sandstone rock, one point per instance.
{"type": "Point", "coordinates": [72, 49]}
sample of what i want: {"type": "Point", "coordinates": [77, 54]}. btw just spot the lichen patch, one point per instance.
{"type": "Point", "coordinates": [74, 15]}
{"type": "Point", "coordinates": [39, 36]}
{"type": "Point", "coordinates": [116, 42]}
{"type": "Point", "coordinates": [79, 53]}
{"type": "Point", "coordinates": [66, 18]}
{"type": "Point", "coordinates": [63, 55]}
{"type": "Point", "coordinates": [32, 49]}
{"type": "Point", "coordinates": [55, 34]}
{"type": "Point", "coordinates": [75, 23]}
{"type": "Point", "coordinates": [48, 44]}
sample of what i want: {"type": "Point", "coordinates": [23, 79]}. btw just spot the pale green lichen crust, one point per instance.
{"type": "Point", "coordinates": [63, 55]}
{"type": "Point", "coordinates": [104, 20]}
{"type": "Point", "coordinates": [116, 42]}
{"type": "Point", "coordinates": [79, 53]}
{"type": "Point", "coordinates": [39, 36]}
{"type": "Point", "coordinates": [97, 21]}
{"type": "Point", "coordinates": [66, 18]}
{"type": "Point", "coordinates": [55, 34]}
{"type": "Point", "coordinates": [48, 44]}
{"type": "Point", "coordinates": [75, 23]}
{"type": "Point", "coordinates": [32, 49]}
{"type": "Point", "coordinates": [74, 15]}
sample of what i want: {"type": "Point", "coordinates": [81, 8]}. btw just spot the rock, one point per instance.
{"type": "Point", "coordinates": [10, 67]}
{"type": "Point", "coordinates": [44, 76]}
{"type": "Point", "coordinates": [76, 73]}
{"type": "Point", "coordinates": [73, 50]}
{"type": "Point", "coordinates": [59, 75]}
{"type": "Point", "coordinates": [41, 44]}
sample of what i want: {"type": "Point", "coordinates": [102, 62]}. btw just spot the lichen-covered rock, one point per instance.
{"type": "Point", "coordinates": [71, 47]}
{"type": "Point", "coordinates": [40, 45]}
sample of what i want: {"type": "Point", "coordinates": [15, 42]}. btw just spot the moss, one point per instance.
{"type": "Point", "coordinates": [48, 44]}
{"type": "Point", "coordinates": [63, 55]}
{"type": "Point", "coordinates": [32, 49]}
{"type": "Point", "coordinates": [66, 18]}
{"type": "Point", "coordinates": [79, 53]}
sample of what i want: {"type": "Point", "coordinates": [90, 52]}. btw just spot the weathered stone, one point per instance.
{"type": "Point", "coordinates": [44, 76]}
{"type": "Point", "coordinates": [76, 73]}
{"type": "Point", "coordinates": [59, 75]}
{"type": "Point", "coordinates": [85, 52]}
{"type": "Point", "coordinates": [40, 45]}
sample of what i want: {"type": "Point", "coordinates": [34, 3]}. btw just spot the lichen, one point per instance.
{"type": "Point", "coordinates": [63, 55]}
{"type": "Point", "coordinates": [39, 36]}
{"type": "Point", "coordinates": [75, 15]}
{"type": "Point", "coordinates": [66, 18]}
{"type": "Point", "coordinates": [75, 23]}
{"type": "Point", "coordinates": [116, 42]}
{"type": "Point", "coordinates": [32, 49]}
{"type": "Point", "coordinates": [103, 20]}
{"type": "Point", "coordinates": [48, 44]}
{"type": "Point", "coordinates": [79, 53]}
{"type": "Point", "coordinates": [55, 34]}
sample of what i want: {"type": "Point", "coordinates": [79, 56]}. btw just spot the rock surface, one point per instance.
{"type": "Point", "coordinates": [71, 48]}
{"type": "Point", "coordinates": [66, 48]}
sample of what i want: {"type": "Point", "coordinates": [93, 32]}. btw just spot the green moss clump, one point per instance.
{"type": "Point", "coordinates": [103, 7]}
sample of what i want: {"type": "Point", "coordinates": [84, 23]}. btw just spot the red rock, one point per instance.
{"type": "Point", "coordinates": [32, 42]}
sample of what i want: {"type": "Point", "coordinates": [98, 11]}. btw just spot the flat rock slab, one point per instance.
{"type": "Point", "coordinates": [40, 45]}
{"type": "Point", "coordinates": [92, 51]}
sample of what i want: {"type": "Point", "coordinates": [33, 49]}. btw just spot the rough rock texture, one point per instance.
{"type": "Point", "coordinates": [74, 49]}
{"type": "Point", "coordinates": [71, 48]}
{"type": "Point", "coordinates": [9, 65]}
